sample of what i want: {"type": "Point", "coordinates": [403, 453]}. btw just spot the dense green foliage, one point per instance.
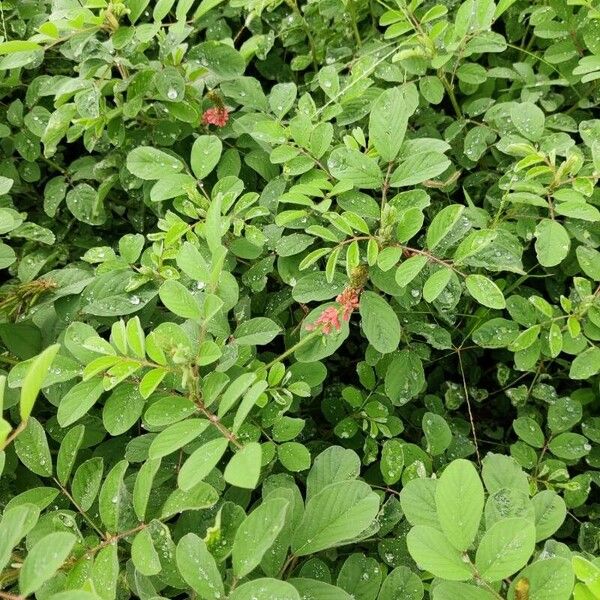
{"type": "Point", "coordinates": [300, 300]}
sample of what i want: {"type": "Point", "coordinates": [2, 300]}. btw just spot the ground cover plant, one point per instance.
{"type": "Point", "coordinates": [300, 299]}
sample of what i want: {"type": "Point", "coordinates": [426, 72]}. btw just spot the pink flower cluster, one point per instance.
{"type": "Point", "coordinates": [215, 116]}
{"type": "Point", "coordinates": [349, 299]}
{"type": "Point", "coordinates": [329, 319]}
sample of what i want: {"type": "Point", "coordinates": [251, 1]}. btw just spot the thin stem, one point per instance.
{"type": "Point", "coordinates": [79, 509]}
{"type": "Point", "coordinates": [196, 397]}
{"type": "Point", "coordinates": [7, 360]}
{"type": "Point", "coordinates": [287, 563]}
{"type": "Point", "coordinates": [386, 185]}
{"type": "Point", "coordinates": [451, 95]}
{"type": "Point", "coordinates": [362, 76]}
{"type": "Point", "coordinates": [471, 420]}
{"type": "Point", "coordinates": [431, 257]}
{"type": "Point", "coordinates": [8, 596]}
{"type": "Point", "coordinates": [293, 348]}
{"type": "Point", "coordinates": [15, 433]}
{"type": "Point", "coordinates": [352, 11]}
{"type": "Point", "coordinates": [216, 422]}
{"type": "Point", "coordinates": [311, 40]}
{"type": "Point", "coordinates": [111, 539]}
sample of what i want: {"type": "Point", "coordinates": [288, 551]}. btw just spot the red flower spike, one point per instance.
{"type": "Point", "coordinates": [349, 301]}
{"type": "Point", "coordinates": [215, 116]}
{"type": "Point", "coordinates": [328, 320]}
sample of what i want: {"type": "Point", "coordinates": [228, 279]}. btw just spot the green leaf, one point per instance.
{"type": "Point", "coordinates": [67, 454]}
{"type": "Point", "coordinates": [5, 187]}
{"type": "Point", "coordinates": [201, 462]}
{"type": "Point", "coordinates": [503, 6]}
{"type": "Point", "coordinates": [356, 168]}
{"type": "Point", "coordinates": [243, 470]}
{"type": "Point", "coordinates": [256, 535]}
{"type": "Point", "coordinates": [402, 584]}
{"type": "Point", "coordinates": [16, 523]}
{"type": "Point", "coordinates": [176, 436]}
{"type": "Point", "coordinates": [34, 379]}
{"type": "Point", "coordinates": [86, 205]}
{"type": "Point", "coordinates": [312, 588]}
{"type": "Point", "coordinates": [503, 472]}
{"type": "Point", "coordinates": [451, 590]}
{"type": "Point", "coordinates": [198, 567]}
{"type": "Point", "coordinates": [18, 46]}
{"type": "Point", "coordinates": [577, 210]}
{"type": "Point", "coordinates": [142, 488]}
{"type": "Point", "coordinates": [41, 497]}
{"type": "Point", "coordinates": [548, 579]}
{"type": "Point", "coordinates": [392, 461]}
{"type": "Point", "coordinates": [250, 398]}
{"type": "Point", "coordinates": [525, 339]}
{"type": "Point", "coordinates": [360, 575]}
{"type": "Point", "coordinates": [220, 59]}
{"type": "Point", "coordinates": [332, 465]}
{"type": "Point", "coordinates": [206, 153]}
{"type": "Point", "coordinates": [555, 340]}
{"type": "Point", "coordinates": [436, 284]}
{"type": "Point", "coordinates": [563, 414]}
{"type": "Point", "coordinates": [7, 256]}
{"type": "Point", "coordinates": [150, 381]}
{"type": "Point", "coordinates": [432, 551]}
{"type": "Point", "coordinates": [459, 501]}
{"type": "Point", "coordinates": [336, 515]}
{"type": "Point", "coordinates": [437, 433]}
{"type": "Point", "coordinates": [529, 431]}
{"type": "Point", "coordinates": [144, 555]}
{"type": "Point", "coordinates": [552, 242]}
{"type": "Point", "coordinates": [151, 164]}
{"type": "Point", "coordinates": [257, 331]}
{"type": "Point", "coordinates": [570, 446]}
{"type": "Point", "coordinates": [74, 595]}
{"type": "Point", "coordinates": [199, 497]}
{"type": "Point", "coordinates": [233, 392]}
{"type": "Point", "coordinates": [585, 570]}
{"type": "Point", "coordinates": [528, 119]}
{"type": "Point", "coordinates": [171, 186]}
{"type": "Point", "coordinates": [443, 223]}
{"type": "Point", "coordinates": [387, 123]}
{"type": "Point", "coordinates": [87, 481]}
{"type": "Point", "coordinates": [404, 378]}
{"type": "Point", "coordinates": [44, 559]}
{"type": "Point", "coordinates": [417, 499]}
{"type": "Point", "coordinates": [586, 364]}
{"type": "Point", "coordinates": [409, 269]}
{"type": "Point", "coordinates": [294, 456]}
{"type": "Point", "coordinates": [589, 261]}
{"type": "Point", "coordinates": [265, 589]}
{"type": "Point", "coordinates": [122, 409]}
{"type": "Point", "coordinates": [179, 300]}
{"type": "Point", "coordinates": [282, 98]}
{"type": "Point", "coordinates": [379, 322]}
{"type": "Point", "coordinates": [78, 400]}
{"type": "Point", "coordinates": [505, 548]}
{"type": "Point", "coordinates": [550, 513]}
{"type": "Point", "coordinates": [485, 291]}
{"type": "Point", "coordinates": [31, 446]}
{"type": "Point", "coordinates": [321, 346]}
{"type": "Point", "coordinates": [418, 168]}
{"type": "Point", "coordinates": [105, 572]}
{"type": "Point", "coordinates": [114, 499]}
{"type": "Point", "coordinates": [410, 222]}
